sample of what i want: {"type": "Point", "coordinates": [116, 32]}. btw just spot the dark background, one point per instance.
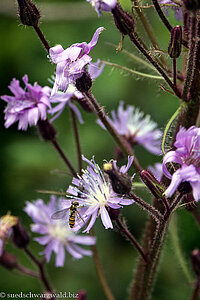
{"type": "Point", "coordinates": [27, 162]}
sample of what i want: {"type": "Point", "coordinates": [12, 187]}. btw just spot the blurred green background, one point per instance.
{"type": "Point", "coordinates": [27, 162]}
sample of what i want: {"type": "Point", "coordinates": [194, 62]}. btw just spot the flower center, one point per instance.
{"type": "Point", "coordinates": [60, 231]}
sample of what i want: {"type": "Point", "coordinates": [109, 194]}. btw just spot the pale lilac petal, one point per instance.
{"type": "Point", "coordinates": [105, 218]}
{"type": "Point", "coordinates": [92, 221]}
{"type": "Point", "coordinates": [84, 240]}
{"type": "Point", "coordinates": [171, 156]}
{"type": "Point", "coordinates": [60, 256]}
{"type": "Point", "coordinates": [196, 190]}
{"type": "Point", "coordinates": [95, 37]}
{"type": "Point", "coordinates": [95, 69]}
{"type": "Point", "coordinates": [73, 252]}
{"type": "Point", "coordinates": [124, 169]}
{"type": "Point", "coordinates": [76, 111]}
{"type": "Point", "coordinates": [10, 119]}
{"type": "Point", "coordinates": [43, 240]}
{"type": "Point", "coordinates": [82, 251]}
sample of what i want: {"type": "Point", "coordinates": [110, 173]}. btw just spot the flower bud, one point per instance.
{"type": "Point", "coordinates": [192, 4]}
{"type": "Point", "coordinates": [175, 44]}
{"type": "Point", "coordinates": [121, 183]}
{"type": "Point", "coordinates": [82, 295]}
{"type": "Point", "coordinates": [195, 257]}
{"type": "Point", "coordinates": [20, 236]}
{"type": "Point", "coordinates": [123, 21]}
{"type": "Point", "coordinates": [46, 130]}
{"type": "Point", "coordinates": [8, 260]}
{"type": "Point", "coordinates": [28, 13]}
{"type": "Point", "coordinates": [152, 183]}
{"type": "Point", "coordinates": [84, 83]}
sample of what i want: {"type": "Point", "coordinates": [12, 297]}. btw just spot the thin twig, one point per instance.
{"type": "Point", "coordinates": [174, 70]}
{"type": "Point", "coordinates": [100, 273]}
{"type": "Point", "coordinates": [124, 231]}
{"type": "Point", "coordinates": [64, 157]}
{"type": "Point", "coordinates": [42, 37]}
{"type": "Point", "coordinates": [40, 268]}
{"type": "Point", "coordinates": [77, 140]}
{"type": "Point", "coordinates": [27, 271]}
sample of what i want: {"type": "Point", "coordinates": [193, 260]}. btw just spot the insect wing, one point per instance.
{"type": "Point", "coordinates": [60, 214]}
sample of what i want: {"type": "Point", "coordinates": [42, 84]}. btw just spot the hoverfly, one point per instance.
{"type": "Point", "coordinates": [61, 214]}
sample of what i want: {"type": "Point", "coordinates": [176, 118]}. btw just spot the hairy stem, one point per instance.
{"type": "Point", "coordinates": [154, 63]}
{"type": "Point", "coordinates": [99, 111]}
{"type": "Point", "coordinates": [148, 29]}
{"type": "Point", "coordinates": [150, 209]}
{"type": "Point", "coordinates": [141, 289]}
{"type": "Point", "coordinates": [190, 63]}
{"type": "Point", "coordinates": [42, 37]}
{"type": "Point", "coordinates": [124, 231]}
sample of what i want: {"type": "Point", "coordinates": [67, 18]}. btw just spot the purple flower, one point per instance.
{"type": "Point", "coordinates": [94, 194]}
{"type": "Point", "coordinates": [136, 128]}
{"type": "Point", "coordinates": [56, 234]}
{"type": "Point", "coordinates": [187, 155]}
{"type": "Point", "coordinates": [27, 105]}
{"type": "Point", "coordinates": [177, 10]}
{"type": "Point", "coordinates": [71, 62]}
{"type": "Point", "coordinates": [94, 69]}
{"type": "Point", "coordinates": [105, 5]}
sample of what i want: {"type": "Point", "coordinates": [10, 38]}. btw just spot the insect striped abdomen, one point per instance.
{"type": "Point", "coordinates": [72, 218]}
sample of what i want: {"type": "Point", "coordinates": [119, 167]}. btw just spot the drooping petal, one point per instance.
{"type": "Point", "coordinates": [105, 218]}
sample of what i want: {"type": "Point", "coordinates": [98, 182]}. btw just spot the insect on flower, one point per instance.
{"type": "Point", "coordinates": [61, 214]}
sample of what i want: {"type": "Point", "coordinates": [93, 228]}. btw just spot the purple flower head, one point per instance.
{"type": "Point", "coordinates": [56, 234]}
{"type": "Point", "coordinates": [27, 105]}
{"type": "Point", "coordinates": [187, 155]}
{"type": "Point", "coordinates": [71, 62]}
{"type": "Point", "coordinates": [94, 194]}
{"type": "Point", "coordinates": [136, 128]}
{"type": "Point", "coordinates": [103, 5]}
{"type": "Point", "coordinates": [177, 10]}
{"type": "Point", "coordinates": [94, 69]}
